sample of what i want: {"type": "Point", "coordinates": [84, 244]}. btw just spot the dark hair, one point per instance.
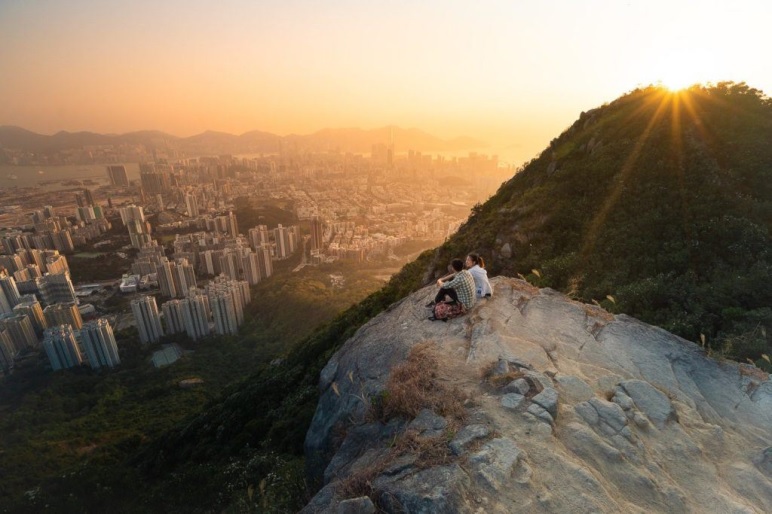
{"type": "Point", "coordinates": [457, 264]}
{"type": "Point", "coordinates": [477, 259]}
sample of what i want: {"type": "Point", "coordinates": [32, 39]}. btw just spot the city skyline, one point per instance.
{"type": "Point", "coordinates": [509, 73]}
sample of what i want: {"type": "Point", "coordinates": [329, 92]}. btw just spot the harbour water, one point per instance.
{"type": "Point", "coordinates": [53, 176]}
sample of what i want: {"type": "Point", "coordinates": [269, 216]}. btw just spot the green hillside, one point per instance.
{"type": "Point", "coordinates": [660, 201]}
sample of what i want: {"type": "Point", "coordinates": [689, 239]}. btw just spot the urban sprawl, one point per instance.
{"type": "Point", "coordinates": [191, 269]}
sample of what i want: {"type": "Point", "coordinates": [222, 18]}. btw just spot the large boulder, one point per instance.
{"type": "Point", "coordinates": [568, 408]}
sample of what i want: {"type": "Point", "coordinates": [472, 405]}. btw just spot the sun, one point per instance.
{"type": "Point", "coordinates": [677, 69]}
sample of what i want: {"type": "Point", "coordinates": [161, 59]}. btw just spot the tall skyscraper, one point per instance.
{"type": "Point", "coordinates": [230, 264]}
{"type": "Point", "coordinates": [192, 205]}
{"type": "Point", "coordinates": [61, 347]}
{"type": "Point", "coordinates": [155, 178]}
{"type": "Point", "coordinates": [316, 233]}
{"type": "Point", "coordinates": [12, 262]}
{"type": "Point", "coordinates": [29, 306]}
{"type": "Point", "coordinates": [57, 288]}
{"type": "Point", "coordinates": [174, 319]}
{"type": "Point", "coordinates": [224, 313]}
{"type": "Point", "coordinates": [20, 329]}
{"type": "Point", "coordinates": [9, 293]}
{"type": "Point", "coordinates": [228, 314]}
{"type": "Point", "coordinates": [197, 314]}
{"type": "Point", "coordinates": [133, 218]}
{"type": "Point", "coordinates": [7, 351]}
{"type": "Point", "coordinates": [190, 315]}
{"type": "Point", "coordinates": [281, 236]}
{"type": "Point", "coordinates": [264, 260]}
{"type": "Point", "coordinates": [63, 314]}
{"type": "Point", "coordinates": [62, 240]}
{"type": "Point", "coordinates": [56, 264]}
{"type": "Point", "coordinates": [251, 266]}
{"type": "Point", "coordinates": [148, 321]}
{"type": "Point", "coordinates": [118, 175]}
{"type": "Point", "coordinates": [99, 344]}
{"type": "Point", "coordinates": [175, 278]}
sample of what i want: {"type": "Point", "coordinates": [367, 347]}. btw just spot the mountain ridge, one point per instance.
{"type": "Point", "coordinates": [344, 139]}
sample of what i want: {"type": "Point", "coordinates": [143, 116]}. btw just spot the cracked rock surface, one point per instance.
{"type": "Point", "coordinates": [569, 409]}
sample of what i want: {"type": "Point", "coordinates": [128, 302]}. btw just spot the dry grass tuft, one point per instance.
{"type": "Point", "coordinates": [498, 381]}
{"type": "Point", "coordinates": [361, 483]}
{"type": "Point", "coordinates": [429, 451]}
{"type": "Point", "coordinates": [413, 386]}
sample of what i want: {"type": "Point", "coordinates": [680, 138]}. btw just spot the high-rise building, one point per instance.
{"type": "Point", "coordinates": [133, 218]}
{"type": "Point", "coordinates": [281, 237]}
{"type": "Point", "coordinates": [230, 264]}
{"type": "Point", "coordinates": [63, 314]}
{"type": "Point", "coordinates": [9, 293]}
{"type": "Point", "coordinates": [224, 313]}
{"type": "Point", "coordinates": [286, 241]}
{"type": "Point", "coordinates": [61, 347]}
{"type": "Point", "coordinates": [155, 178]}
{"type": "Point", "coordinates": [166, 278]}
{"type": "Point", "coordinates": [190, 315]}
{"type": "Point", "coordinates": [118, 175]}
{"type": "Point", "coordinates": [56, 288]}
{"type": "Point", "coordinates": [30, 306]}
{"type": "Point", "coordinates": [21, 331]}
{"type": "Point", "coordinates": [174, 319]}
{"type": "Point", "coordinates": [264, 260]}
{"type": "Point", "coordinates": [56, 264]}
{"type": "Point", "coordinates": [251, 266]}
{"type": "Point", "coordinates": [184, 277]}
{"type": "Point", "coordinates": [317, 233]}
{"type": "Point", "coordinates": [197, 314]}
{"type": "Point", "coordinates": [258, 236]}
{"type": "Point", "coordinates": [175, 278]}
{"type": "Point", "coordinates": [192, 205]}
{"type": "Point", "coordinates": [99, 344]}
{"type": "Point", "coordinates": [12, 262]}
{"type": "Point", "coordinates": [62, 240]}
{"type": "Point", "coordinates": [148, 321]}
{"type": "Point", "coordinates": [130, 213]}
{"type": "Point", "coordinates": [85, 198]}
{"type": "Point", "coordinates": [239, 291]}
{"type": "Point", "coordinates": [7, 351]}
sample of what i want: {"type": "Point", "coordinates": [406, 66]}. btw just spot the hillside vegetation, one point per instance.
{"type": "Point", "coordinates": [661, 200]}
{"type": "Point", "coordinates": [658, 201]}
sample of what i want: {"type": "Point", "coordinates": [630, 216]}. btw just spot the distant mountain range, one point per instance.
{"type": "Point", "coordinates": [210, 142]}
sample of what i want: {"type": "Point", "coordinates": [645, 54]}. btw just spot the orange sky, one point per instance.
{"type": "Point", "coordinates": [513, 73]}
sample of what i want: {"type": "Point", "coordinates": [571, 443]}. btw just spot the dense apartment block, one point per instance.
{"type": "Point", "coordinates": [61, 347]}
{"type": "Point", "coordinates": [99, 344]}
{"type": "Point", "coordinates": [148, 320]}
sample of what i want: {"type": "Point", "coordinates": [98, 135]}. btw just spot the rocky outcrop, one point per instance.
{"type": "Point", "coordinates": [568, 408]}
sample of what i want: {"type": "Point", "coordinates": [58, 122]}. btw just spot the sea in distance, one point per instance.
{"type": "Point", "coordinates": [51, 177]}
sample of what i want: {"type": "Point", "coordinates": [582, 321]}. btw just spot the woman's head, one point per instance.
{"type": "Point", "coordinates": [473, 259]}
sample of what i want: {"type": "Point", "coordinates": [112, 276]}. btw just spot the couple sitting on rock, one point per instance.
{"type": "Point", "coordinates": [459, 290]}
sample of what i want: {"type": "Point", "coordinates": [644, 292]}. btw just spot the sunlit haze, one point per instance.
{"type": "Point", "coordinates": [511, 73]}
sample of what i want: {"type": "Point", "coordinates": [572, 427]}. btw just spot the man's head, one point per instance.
{"type": "Point", "coordinates": [457, 264]}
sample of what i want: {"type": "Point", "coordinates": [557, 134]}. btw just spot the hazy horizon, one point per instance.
{"type": "Point", "coordinates": [506, 73]}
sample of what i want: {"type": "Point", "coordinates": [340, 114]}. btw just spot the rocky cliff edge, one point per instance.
{"type": "Point", "coordinates": [536, 403]}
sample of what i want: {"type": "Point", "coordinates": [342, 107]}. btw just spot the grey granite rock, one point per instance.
{"type": "Point", "coordinates": [548, 400]}
{"type": "Point", "coordinates": [494, 463]}
{"type": "Point", "coordinates": [512, 401]}
{"type": "Point", "coordinates": [428, 424]}
{"type": "Point", "coordinates": [650, 401]}
{"type": "Point", "coordinates": [361, 505]}
{"type": "Point", "coordinates": [466, 435]}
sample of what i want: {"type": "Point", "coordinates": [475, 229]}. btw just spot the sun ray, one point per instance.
{"type": "Point", "coordinates": [627, 168]}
